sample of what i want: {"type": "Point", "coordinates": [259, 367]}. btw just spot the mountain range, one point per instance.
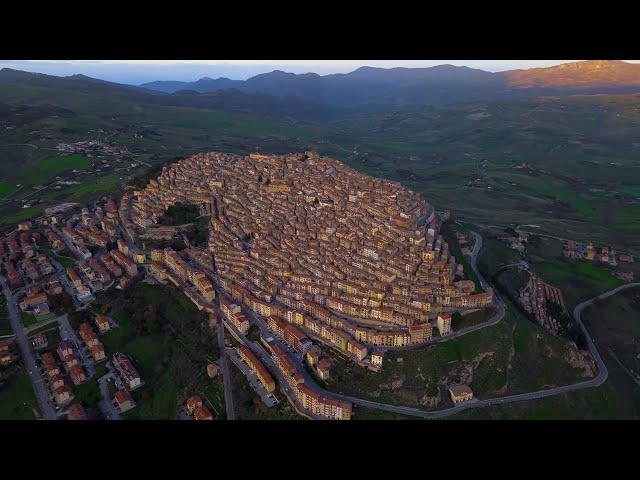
{"type": "Point", "coordinates": [367, 88]}
{"type": "Point", "coordinates": [312, 97]}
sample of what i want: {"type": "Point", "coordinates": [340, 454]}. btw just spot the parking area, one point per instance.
{"type": "Point", "coordinates": [269, 399]}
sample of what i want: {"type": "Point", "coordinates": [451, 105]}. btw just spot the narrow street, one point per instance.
{"type": "Point", "coordinates": [42, 392]}
{"type": "Point", "coordinates": [226, 378]}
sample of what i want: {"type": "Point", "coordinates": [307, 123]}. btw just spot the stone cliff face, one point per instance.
{"type": "Point", "coordinates": [578, 75]}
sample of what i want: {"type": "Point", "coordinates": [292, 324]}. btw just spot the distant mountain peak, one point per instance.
{"type": "Point", "coordinates": [583, 74]}
{"type": "Point", "coordinates": [79, 76]}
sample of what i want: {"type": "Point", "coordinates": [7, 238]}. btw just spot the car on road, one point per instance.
{"type": "Point", "coordinates": [30, 372]}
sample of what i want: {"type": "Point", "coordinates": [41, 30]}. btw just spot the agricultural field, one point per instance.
{"type": "Point", "coordinates": [564, 163]}
{"type": "Point", "coordinates": [21, 215]}
{"type": "Point", "coordinates": [48, 168]}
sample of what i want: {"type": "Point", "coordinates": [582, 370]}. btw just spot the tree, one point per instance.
{"type": "Point", "coordinates": [260, 178]}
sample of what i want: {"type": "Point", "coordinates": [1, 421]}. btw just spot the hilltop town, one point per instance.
{"type": "Point", "coordinates": [317, 249]}
{"type": "Point", "coordinates": [300, 247]}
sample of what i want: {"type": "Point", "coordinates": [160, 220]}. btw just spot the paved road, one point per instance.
{"type": "Point", "coordinates": [68, 333]}
{"type": "Point", "coordinates": [226, 378]}
{"type": "Point", "coordinates": [474, 258]}
{"type": "Point", "coordinates": [598, 380]}
{"type": "Point", "coordinates": [271, 366]}
{"type": "Point", "coordinates": [105, 405]}
{"type": "Point", "coordinates": [67, 242]}
{"type": "Point", "coordinates": [41, 390]}
{"type": "Point", "coordinates": [251, 377]}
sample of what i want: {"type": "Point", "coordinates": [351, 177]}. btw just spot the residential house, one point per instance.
{"type": "Point", "coordinates": [202, 413]}
{"type": "Point", "coordinates": [324, 365]}
{"type": "Point", "coordinates": [98, 353]}
{"type": "Point", "coordinates": [122, 401]}
{"type": "Point", "coordinates": [377, 357]}
{"type": "Point", "coordinates": [62, 394]}
{"type": "Point", "coordinates": [193, 403]}
{"type": "Point", "coordinates": [444, 324]}
{"type": "Point", "coordinates": [77, 374]}
{"type": "Point", "coordinates": [460, 393]}
{"type": "Point", "coordinates": [103, 323]}
{"type": "Point", "coordinates": [77, 412]}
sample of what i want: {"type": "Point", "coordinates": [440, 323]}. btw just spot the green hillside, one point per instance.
{"type": "Point", "coordinates": [567, 164]}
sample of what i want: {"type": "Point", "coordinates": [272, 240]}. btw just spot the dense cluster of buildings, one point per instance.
{"type": "Point", "coordinates": [90, 339]}
{"type": "Point", "coordinates": [21, 262]}
{"type": "Point", "coordinates": [603, 254]}
{"type": "Point", "coordinates": [56, 365]}
{"type": "Point", "coordinates": [536, 296]}
{"type": "Point", "coordinates": [319, 249]}
{"type": "Point", "coordinates": [98, 228]}
{"type": "Point", "coordinates": [320, 365]}
{"type": "Point", "coordinates": [91, 147]}
{"type": "Point", "coordinates": [166, 264]}
{"type": "Point", "coordinates": [308, 397]}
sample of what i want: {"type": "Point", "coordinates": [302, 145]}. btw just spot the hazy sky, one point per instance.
{"type": "Point", "coordinates": [140, 71]}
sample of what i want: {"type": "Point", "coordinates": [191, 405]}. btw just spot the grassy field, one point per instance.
{"type": "Point", "coordinates": [494, 255]}
{"type": "Point", "coordinates": [566, 164]}
{"type": "Point", "coordinates": [602, 403]}
{"type": "Point", "coordinates": [50, 167]}
{"type": "Point", "coordinates": [364, 413]}
{"type": "Point", "coordinates": [28, 319]}
{"type": "Point", "coordinates": [20, 215]}
{"type": "Point", "coordinates": [64, 261]}
{"type": "Point", "coordinates": [578, 279]}
{"type": "Point", "coordinates": [212, 390]}
{"type": "Point", "coordinates": [6, 188]}
{"type": "Point", "coordinates": [5, 327]}
{"type": "Point", "coordinates": [17, 399]}
{"type": "Point", "coordinates": [171, 358]}
{"type": "Point", "coordinates": [156, 401]}
{"type": "Point", "coordinates": [470, 319]}
{"type": "Point", "coordinates": [615, 324]}
{"type": "Point", "coordinates": [513, 356]}
{"type": "Point", "coordinates": [44, 328]}
{"type": "Point", "coordinates": [87, 393]}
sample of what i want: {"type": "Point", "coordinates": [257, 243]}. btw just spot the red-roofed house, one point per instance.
{"type": "Point", "coordinates": [77, 412]}
{"type": "Point", "coordinates": [123, 401]}
{"type": "Point", "coordinates": [193, 403]}
{"type": "Point", "coordinates": [202, 413]}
